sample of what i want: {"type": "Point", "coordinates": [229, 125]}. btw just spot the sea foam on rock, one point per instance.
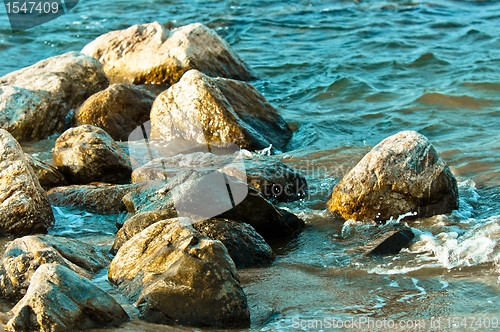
{"type": "Point", "coordinates": [24, 208]}
{"type": "Point", "coordinates": [35, 101]}
{"type": "Point", "coordinates": [151, 53]}
{"type": "Point", "coordinates": [402, 174]}
{"type": "Point", "coordinates": [118, 110]}
{"type": "Point", "coordinates": [217, 111]}
{"type": "Point", "coordinates": [60, 300]}
{"type": "Point", "coordinates": [88, 154]}
{"type": "Point", "coordinates": [177, 276]}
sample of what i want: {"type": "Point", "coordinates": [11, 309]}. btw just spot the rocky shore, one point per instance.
{"type": "Point", "coordinates": [200, 202]}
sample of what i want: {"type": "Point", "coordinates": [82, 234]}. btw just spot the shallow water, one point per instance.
{"type": "Point", "coordinates": [345, 75]}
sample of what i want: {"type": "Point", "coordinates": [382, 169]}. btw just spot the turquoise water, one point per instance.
{"type": "Point", "coordinates": [345, 75]}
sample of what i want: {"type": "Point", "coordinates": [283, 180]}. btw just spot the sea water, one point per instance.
{"type": "Point", "coordinates": [345, 75]}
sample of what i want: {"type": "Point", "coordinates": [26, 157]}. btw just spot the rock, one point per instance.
{"type": "Point", "coordinates": [177, 276]}
{"type": "Point", "coordinates": [118, 110]}
{"type": "Point", "coordinates": [48, 176]}
{"type": "Point", "coordinates": [88, 154]}
{"type": "Point", "coordinates": [245, 246]}
{"type": "Point", "coordinates": [95, 197]}
{"type": "Point", "coordinates": [137, 223]}
{"type": "Point", "coordinates": [35, 101]}
{"type": "Point", "coordinates": [58, 299]}
{"type": "Point", "coordinates": [199, 196]}
{"type": "Point", "coordinates": [272, 178]}
{"type": "Point", "coordinates": [390, 242]}
{"type": "Point", "coordinates": [150, 53]}
{"type": "Point", "coordinates": [402, 174]}
{"type": "Point", "coordinates": [25, 255]}
{"type": "Point", "coordinates": [24, 208]}
{"type": "Point", "coordinates": [217, 111]}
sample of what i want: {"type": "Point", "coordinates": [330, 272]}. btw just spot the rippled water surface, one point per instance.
{"type": "Point", "coordinates": [345, 75]}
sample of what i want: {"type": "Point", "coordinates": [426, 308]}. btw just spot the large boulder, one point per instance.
{"type": "Point", "coordinates": [118, 110]}
{"type": "Point", "coordinates": [402, 174]}
{"type": "Point", "coordinates": [177, 276]}
{"type": "Point", "coordinates": [48, 176]}
{"type": "Point", "coordinates": [274, 179]}
{"type": "Point", "coordinates": [201, 195]}
{"type": "Point", "coordinates": [217, 111]}
{"type": "Point", "coordinates": [150, 53]}
{"type": "Point", "coordinates": [95, 197]}
{"type": "Point", "coordinates": [60, 300]}
{"type": "Point", "coordinates": [88, 154]}
{"type": "Point", "coordinates": [25, 255]}
{"type": "Point", "coordinates": [35, 101]}
{"type": "Point", "coordinates": [24, 208]}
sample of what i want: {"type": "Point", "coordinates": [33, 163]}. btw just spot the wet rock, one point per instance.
{"type": "Point", "coordinates": [197, 195]}
{"type": "Point", "coordinates": [95, 197]}
{"type": "Point", "coordinates": [217, 111]}
{"type": "Point", "coordinates": [24, 208]}
{"type": "Point", "coordinates": [177, 276]}
{"type": "Point", "coordinates": [88, 154]}
{"type": "Point", "coordinates": [137, 223]}
{"type": "Point", "coordinates": [272, 178]}
{"type": "Point", "coordinates": [245, 246]}
{"type": "Point", "coordinates": [58, 299]}
{"type": "Point", "coordinates": [35, 101]}
{"type": "Point", "coordinates": [25, 255]}
{"type": "Point", "coordinates": [400, 175]}
{"type": "Point", "coordinates": [48, 176]}
{"type": "Point", "coordinates": [389, 241]}
{"type": "Point", "coordinates": [150, 53]}
{"type": "Point", "coordinates": [118, 110]}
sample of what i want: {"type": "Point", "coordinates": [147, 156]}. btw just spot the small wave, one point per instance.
{"type": "Point", "coordinates": [428, 59]}
{"type": "Point", "coordinates": [447, 101]}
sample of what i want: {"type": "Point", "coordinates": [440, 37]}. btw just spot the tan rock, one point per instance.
{"type": "Point", "coordinates": [47, 175]}
{"type": "Point", "coordinates": [177, 276]}
{"type": "Point", "coordinates": [59, 300]}
{"type": "Point", "coordinates": [118, 110]}
{"type": "Point", "coordinates": [217, 111]}
{"type": "Point", "coordinates": [402, 174]}
{"type": "Point", "coordinates": [150, 53]}
{"type": "Point", "coordinates": [35, 101]}
{"type": "Point", "coordinates": [24, 208]}
{"type": "Point", "coordinates": [88, 154]}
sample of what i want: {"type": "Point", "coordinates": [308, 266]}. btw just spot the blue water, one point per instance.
{"type": "Point", "coordinates": [345, 75]}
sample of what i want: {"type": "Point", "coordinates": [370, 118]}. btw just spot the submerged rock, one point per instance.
{"type": "Point", "coordinates": [35, 101]}
{"type": "Point", "coordinates": [200, 196]}
{"type": "Point", "coordinates": [217, 111]}
{"type": "Point", "coordinates": [58, 299]}
{"type": "Point", "coordinates": [177, 276]}
{"type": "Point", "coordinates": [245, 246]}
{"type": "Point", "coordinates": [95, 197]}
{"type": "Point", "coordinates": [24, 208]}
{"type": "Point", "coordinates": [150, 53]}
{"type": "Point", "coordinates": [400, 175]}
{"type": "Point", "coordinates": [25, 255]}
{"type": "Point", "coordinates": [48, 176]}
{"type": "Point", "coordinates": [272, 178]}
{"type": "Point", "coordinates": [389, 241]}
{"type": "Point", "coordinates": [88, 154]}
{"type": "Point", "coordinates": [118, 110]}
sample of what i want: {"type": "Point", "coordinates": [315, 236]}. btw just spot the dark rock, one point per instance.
{"type": "Point", "coordinates": [401, 174]}
{"type": "Point", "coordinates": [201, 195]}
{"type": "Point", "coordinates": [177, 276]}
{"type": "Point", "coordinates": [88, 154]}
{"type": "Point", "coordinates": [24, 208]}
{"type": "Point", "coordinates": [36, 100]}
{"type": "Point", "coordinates": [58, 299]}
{"type": "Point", "coordinates": [272, 178]}
{"type": "Point", "coordinates": [48, 176]}
{"type": "Point", "coordinates": [389, 241]}
{"type": "Point", "coordinates": [118, 110]}
{"type": "Point", "coordinates": [245, 246]}
{"type": "Point", "coordinates": [95, 197]}
{"type": "Point", "coordinates": [25, 255]}
{"type": "Point", "coordinates": [226, 111]}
